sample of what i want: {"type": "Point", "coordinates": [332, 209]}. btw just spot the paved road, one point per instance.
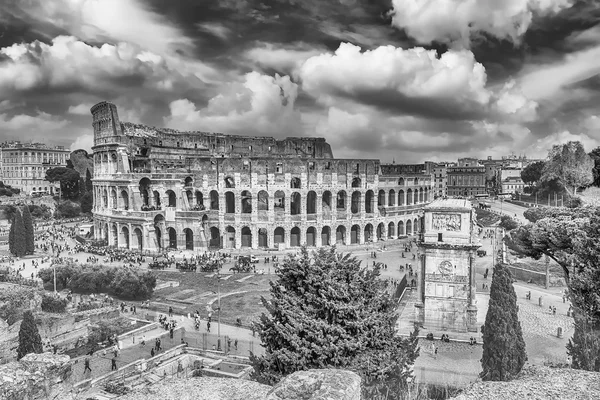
{"type": "Point", "coordinates": [510, 209]}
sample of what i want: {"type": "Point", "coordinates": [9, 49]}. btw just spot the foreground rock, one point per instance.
{"type": "Point", "coordinates": [318, 384]}
{"type": "Point", "coordinates": [539, 383]}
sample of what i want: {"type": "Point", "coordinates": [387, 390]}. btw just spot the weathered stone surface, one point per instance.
{"type": "Point", "coordinates": [539, 383]}
{"type": "Point", "coordinates": [318, 384]}
{"type": "Point", "coordinates": [36, 376]}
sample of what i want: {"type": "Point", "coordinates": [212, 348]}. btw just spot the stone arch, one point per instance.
{"type": "Point", "coordinates": [325, 236]}
{"type": "Point", "coordinates": [189, 181]}
{"type": "Point", "coordinates": [113, 198]}
{"type": "Point", "coordinates": [368, 233]}
{"type": "Point", "coordinates": [263, 238]}
{"type": "Point", "coordinates": [190, 197]}
{"type": "Point", "coordinates": [416, 196]}
{"type": "Point", "coordinates": [246, 237]}
{"type": "Point", "coordinates": [326, 202]}
{"type": "Point", "coordinates": [340, 235]}
{"type": "Point", "coordinates": [400, 197]}
{"type": "Point", "coordinates": [229, 182]}
{"type": "Point", "coordinates": [189, 239]}
{"type": "Point", "coordinates": [215, 238]}
{"type": "Point", "coordinates": [199, 198]}
{"type": "Point", "coordinates": [416, 181]}
{"type": "Point", "coordinates": [369, 202]}
{"type": "Point", "coordinates": [246, 202]}
{"type": "Point", "coordinates": [115, 235]}
{"type": "Point", "coordinates": [214, 200]}
{"type": "Point", "coordinates": [229, 203]}
{"type": "Point", "coordinates": [295, 183]}
{"type": "Point", "coordinates": [354, 234]}
{"type": "Point", "coordinates": [341, 200]}
{"type": "Point", "coordinates": [409, 197]}
{"type": "Point", "coordinates": [311, 202]}
{"type": "Point", "coordinates": [400, 181]}
{"type": "Point", "coordinates": [156, 196]}
{"type": "Point", "coordinates": [421, 195]}
{"type": "Point", "coordinates": [416, 226]}
{"type": "Point", "coordinates": [400, 228]}
{"type": "Point", "coordinates": [279, 200]}
{"type": "Point", "coordinates": [356, 182]}
{"type": "Point", "coordinates": [381, 198]}
{"type": "Point", "coordinates": [295, 237]}
{"type": "Point", "coordinates": [106, 234]}
{"type": "Point", "coordinates": [355, 204]}
{"type": "Point", "coordinates": [278, 235]}
{"type": "Point", "coordinates": [124, 239]}
{"type": "Point", "coordinates": [144, 187]}
{"type": "Point", "coordinates": [172, 237]}
{"type": "Point", "coordinates": [263, 201]}
{"type": "Point", "coordinates": [229, 237]}
{"type": "Point", "coordinates": [391, 230]}
{"type": "Point", "coordinates": [392, 198]}
{"type": "Point", "coordinates": [311, 236]}
{"type": "Point", "coordinates": [380, 231]}
{"type": "Point", "coordinates": [295, 204]}
{"type": "Point", "coordinates": [105, 198]}
{"type": "Point", "coordinates": [138, 241]}
{"type": "Point", "coordinates": [409, 227]}
{"type": "Point", "coordinates": [172, 198]}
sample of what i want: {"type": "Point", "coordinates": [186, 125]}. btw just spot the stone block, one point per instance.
{"type": "Point", "coordinates": [318, 384]}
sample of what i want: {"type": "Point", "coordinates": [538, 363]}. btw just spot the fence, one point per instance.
{"type": "Point", "coordinates": [539, 278]}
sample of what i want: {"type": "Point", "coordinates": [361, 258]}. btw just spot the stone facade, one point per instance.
{"type": "Point", "coordinates": [446, 287]}
{"type": "Point", "coordinates": [160, 188]}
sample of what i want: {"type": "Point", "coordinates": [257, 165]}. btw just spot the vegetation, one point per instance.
{"type": "Point", "coordinates": [503, 346]}
{"type": "Point", "coordinates": [17, 238]}
{"type": "Point", "coordinates": [327, 311]}
{"type": "Point", "coordinates": [508, 223]}
{"type": "Point", "coordinates": [122, 282]}
{"type": "Point", "coordinates": [571, 237]}
{"type": "Point", "coordinates": [53, 304]}
{"type": "Point", "coordinates": [532, 173]}
{"type": "Point", "coordinates": [13, 302]}
{"type": "Point", "coordinates": [595, 156]}
{"type": "Point", "coordinates": [29, 233]}
{"type": "Point", "coordinates": [7, 190]}
{"type": "Point", "coordinates": [570, 165]}
{"type": "Point", "coordinates": [101, 331]}
{"type": "Point", "coordinates": [67, 209]}
{"type": "Point", "coordinates": [29, 337]}
{"type": "Point", "coordinates": [486, 217]}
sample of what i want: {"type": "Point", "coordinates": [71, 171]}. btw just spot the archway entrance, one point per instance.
{"type": "Point", "coordinates": [246, 237]}
{"type": "Point", "coordinates": [172, 238]}
{"type": "Point", "coordinates": [295, 237]}
{"type": "Point", "coordinates": [325, 236]}
{"type": "Point", "coordinates": [215, 238]}
{"type": "Point", "coordinates": [310, 236]}
{"type": "Point", "coordinates": [189, 239]}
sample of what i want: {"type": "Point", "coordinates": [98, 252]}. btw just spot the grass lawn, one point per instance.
{"type": "Point", "coordinates": [486, 217]}
{"type": "Point", "coordinates": [246, 306]}
{"type": "Point", "coordinates": [537, 265]}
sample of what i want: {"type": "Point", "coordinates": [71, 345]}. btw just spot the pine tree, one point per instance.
{"type": "Point", "coordinates": [19, 248]}
{"type": "Point", "coordinates": [29, 337]}
{"type": "Point", "coordinates": [11, 237]}
{"type": "Point", "coordinates": [327, 311]}
{"type": "Point", "coordinates": [29, 232]}
{"type": "Point", "coordinates": [503, 346]}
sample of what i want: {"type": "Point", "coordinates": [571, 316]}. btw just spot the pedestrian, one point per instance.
{"type": "Point", "coordinates": [553, 310]}
{"type": "Point", "coordinates": [87, 365]}
{"type": "Point", "coordinates": [170, 311]}
{"type": "Point", "coordinates": [235, 344]}
{"type": "Point", "coordinates": [171, 333]}
{"type": "Point", "coordinates": [228, 344]}
{"type": "Point", "coordinates": [435, 352]}
{"type": "Point", "coordinates": [152, 352]}
{"type": "Point", "coordinates": [113, 366]}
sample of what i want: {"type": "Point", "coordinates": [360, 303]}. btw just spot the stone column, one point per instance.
{"type": "Point", "coordinates": [319, 209]}
{"type": "Point", "coordinates": [420, 303]}
{"type": "Point", "coordinates": [318, 233]}
{"type": "Point", "coordinates": [361, 234]}
{"type": "Point", "coordinates": [238, 236]}
{"type": "Point", "coordinates": [472, 300]}
{"type": "Point", "coordinates": [254, 211]}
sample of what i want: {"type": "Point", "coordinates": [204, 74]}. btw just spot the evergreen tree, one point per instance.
{"type": "Point", "coordinates": [18, 238]}
{"type": "Point", "coordinates": [29, 337]}
{"type": "Point", "coordinates": [11, 236]}
{"type": "Point", "coordinates": [503, 346]}
{"type": "Point", "coordinates": [29, 232]}
{"type": "Point", "coordinates": [327, 311]}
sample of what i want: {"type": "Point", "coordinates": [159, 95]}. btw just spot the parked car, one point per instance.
{"type": "Point", "coordinates": [481, 253]}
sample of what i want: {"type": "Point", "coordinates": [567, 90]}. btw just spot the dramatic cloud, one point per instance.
{"type": "Point", "coordinates": [260, 105]}
{"type": "Point", "coordinates": [42, 121]}
{"type": "Point", "coordinates": [84, 142]}
{"type": "Point", "coordinates": [541, 147]}
{"type": "Point", "coordinates": [283, 59]}
{"type": "Point", "coordinates": [456, 21]}
{"type": "Point", "coordinates": [80, 109]}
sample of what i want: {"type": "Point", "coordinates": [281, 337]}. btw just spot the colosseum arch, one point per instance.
{"type": "Point", "coordinates": [190, 197]}
{"type": "Point", "coordinates": [326, 236]}
{"type": "Point", "coordinates": [188, 182]}
{"type": "Point", "coordinates": [246, 202]}
{"type": "Point", "coordinates": [296, 204]}
{"type": "Point", "coordinates": [381, 231]}
{"type": "Point", "coordinates": [311, 236]}
{"type": "Point", "coordinates": [263, 238]}
{"type": "Point", "coordinates": [340, 235]}
{"type": "Point", "coordinates": [295, 237]}
{"type": "Point", "coordinates": [229, 203]}
{"type": "Point", "coordinates": [263, 201]}
{"type": "Point", "coordinates": [199, 198]}
{"type": "Point", "coordinates": [172, 198]}
{"type": "Point", "coordinates": [311, 202]}
{"type": "Point", "coordinates": [355, 234]}
{"type": "Point", "coordinates": [392, 198]}
{"type": "Point", "coordinates": [144, 187]}
{"type": "Point", "coordinates": [214, 200]}
{"type": "Point", "coordinates": [215, 238]}
{"type": "Point", "coordinates": [113, 198]}
{"type": "Point", "coordinates": [105, 198]}
{"type": "Point", "coordinates": [416, 194]}
{"type": "Point", "coordinates": [156, 196]}
{"type": "Point", "coordinates": [356, 182]}
{"type": "Point", "coordinates": [326, 202]}
{"type": "Point", "coordinates": [115, 235]}
{"type": "Point", "coordinates": [159, 225]}
{"type": "Point", "coordinates": [229, 182]}
{"type": "Point", "coordinates": [381, 198]}
{"type": "Point", "coordinates": [391, 230]}
{"type": "Point", "coordinates": [295, 183]}
{"type": "Point", "coordinates": [125, 199]}
{"type": "Point", "coordinates": [421, 200]}
{"type": "Point", "coordinates": [409, 197]}
{"type": "Point", "coordinates": [355, 204]}
{"type": "Point", "coordinates": [124, 239]}
{"type": "Point", "coordinates": [400, 228]}
{"type": "Point", "coordinates": [369, 202]}
{"type": "Point", "coordinates": [246, 237]}
{"type": "Point", "coordinates": [400, 181]}
{"type": "Point", "coordinates": [229, 238]}
{"type": "Point", "coordinates": [279, 201]}
{"type": "Point", "coordinates": [400, 197]}
{"type": "Point", "coordinates": [138, 241]}
{"type": "Point", "coordinates": [189, 239]}
{"type": "Point", "coordinates": [172, 237]}
{"type": "Point", "coordinates": [278, 236]}
{"type": "Point", "coordinates": [368, 233]}
{"type": "Point", "coordinates": [341, 200]}
{"type": "Point", "coordinates": [409, 228]}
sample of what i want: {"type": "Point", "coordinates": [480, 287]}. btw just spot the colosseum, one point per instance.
{"type": "Point", "coordinates": [158, 188]}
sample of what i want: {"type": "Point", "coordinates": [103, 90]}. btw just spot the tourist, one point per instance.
{"type": "Point", "coordinates": [113, 366]}
{"type": "Point", "coordinates": [152, 352]}
{"type": "Point", "coordinates": [170, 311]}
{"type": "Point", "coordinates": [87, 365]}
{"type": "Point", "coordinates": [235, 344]}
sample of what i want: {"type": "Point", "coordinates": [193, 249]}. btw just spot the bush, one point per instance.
{"type": "Point", "coordinates": [40, 212]}
{"type": "Point", "coordinates": [53, 304]}
{"type": "Point", "coordinates": [107, 328]}
{"type": "Point", "coordinates": [29, 337]}
{"type": "Point", "coordinates": [67, 209]}
{"type": "Point", "coordinates": [118, 388]}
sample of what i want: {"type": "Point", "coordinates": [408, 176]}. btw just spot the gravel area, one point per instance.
{"type": "Point", "coordinates": [201, 389]}
{"type": "Point", "coordinates": [539, 383]}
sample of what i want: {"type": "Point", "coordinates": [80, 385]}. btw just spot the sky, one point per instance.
{"type": "Point", "coordinates": [403, 80]}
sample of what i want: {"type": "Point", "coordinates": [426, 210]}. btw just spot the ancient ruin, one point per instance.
{"type": "Point", "coordinates": [157, 188]}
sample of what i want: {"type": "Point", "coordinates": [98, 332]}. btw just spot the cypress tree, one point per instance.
{"type": "Point", "coordinates": [29, 232]}
{"type": "Point", "coordinates": [503, 346]}
{"type": "Point", "coordinates": [19, 248]}
{"type": "Point", "coordinates": [11, 237]}
{"type": "Point", "coordinates": [30, 340]}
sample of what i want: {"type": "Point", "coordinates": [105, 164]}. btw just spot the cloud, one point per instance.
{"type": "Point", "coordinates": [42, 121]}
{"type": "Point", "coordinates": [286, 59]}
{"type": "Point", "coordinates": [456, 21]}
{"type": "Point", "coordinates": [260, 105]}
{"type": "Point", "coordinates": [394, 78]}
{"type": "Point", "coordinates": [216, 29]}
{"type": "Point", "coordinates": [80, 109]}
{"type": "Point", "coordinates": [510, 102]}
{"type": "Point", "coordinates": [84, 142]}
{"type": "Point", "coordinates": [541, 147]}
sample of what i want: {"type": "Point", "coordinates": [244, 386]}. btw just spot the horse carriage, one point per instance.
{"type": "Point", "coordinates": [159, 264]}
{"type": "Point", "coordinates": [186, 266]}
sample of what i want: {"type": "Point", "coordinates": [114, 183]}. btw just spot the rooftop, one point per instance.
{"type": "Point", "coordinates": [449, 204]}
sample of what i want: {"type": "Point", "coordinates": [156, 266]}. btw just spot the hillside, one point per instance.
{"type": "Point", "coordinates": [82, 162]}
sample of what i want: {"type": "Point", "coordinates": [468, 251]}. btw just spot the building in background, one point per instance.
{"type": "Point", "coordinates": [513, 184]}
{"type": "Point", "coordinates": [466, 180]}
{"type": "Point", "coordinates": [440, 180]}
{"type": "Point", "coordinates": [24, 165]}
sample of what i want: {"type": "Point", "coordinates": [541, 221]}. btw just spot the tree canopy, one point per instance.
{"type": "Point", "coordinates": [29, 337]}
{"type": "Point", "coordinates": [571, 165]}
{"type": "Point", "coordinates": [532, 173]}
{"type": "Point", "coordinates": [326, 310]}
{"type": "Point", "coordinates": [68, 178]}
{"type": "Point", "coordinates": [17, 241]}
{"type": "Point", "coordinates": [29, 232]}
{"type": "Point", "coordinates": [508, 223]}
{"type": "Point", "coordinates": [595, 156]}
